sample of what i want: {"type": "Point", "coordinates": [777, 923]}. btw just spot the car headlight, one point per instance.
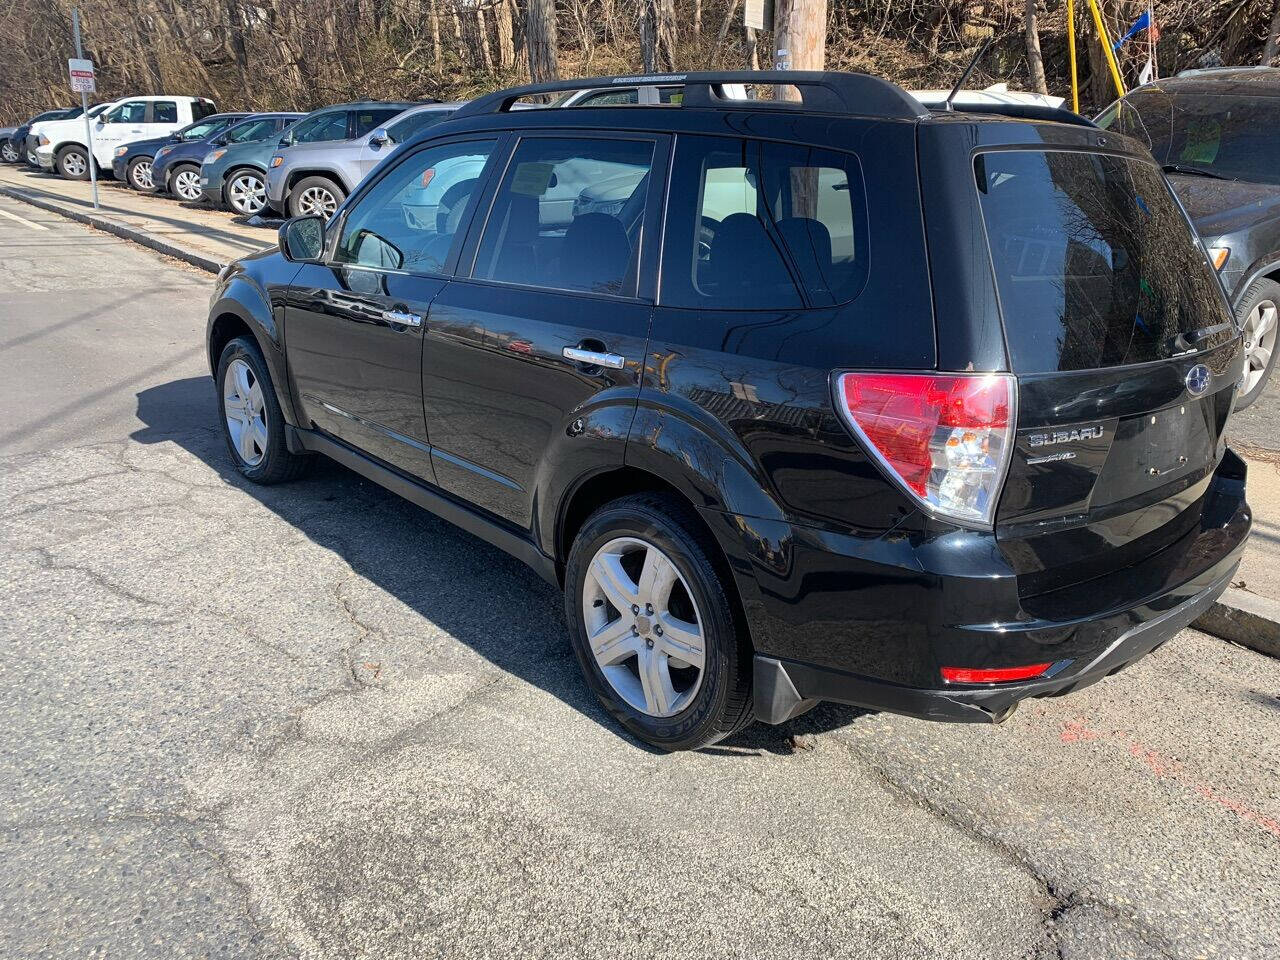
{"type": "Point", "coordinates": [214, 156]}
{"type": "Point", "coordinates": [276, 161]}
{"type": "Point", "coordinates": [1218, 256]}
{"type": "Point", "coordinates": [121, 151]}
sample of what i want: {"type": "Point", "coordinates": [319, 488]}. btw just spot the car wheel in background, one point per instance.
{"type": "Point", "coordinates": [73, 163]}
{"type": "Point", "coordinates": [246, 192]}
{"type": "Point", "coordinates": [652, 624]}
{"type": "Point", "coordinates": [315, 197]}
{"type": "Point", "coordinates": [1259, 314]}
{"type": "Point", "coordinates": [252, 423]}
{"type": "Point", "coordinates": [9, 153]}
{"type": "Point", "coordinates": [139, 175]}
{"type": "Point", "coordinates": [184, 183]}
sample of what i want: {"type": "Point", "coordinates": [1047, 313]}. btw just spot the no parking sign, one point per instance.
{"type": "Point", "coordinates": [81, 72]}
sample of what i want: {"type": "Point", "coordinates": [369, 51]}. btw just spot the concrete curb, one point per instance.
{"type": "Point", "coordinates": [118, 229]}
{"type": "Point", "coordinates": [1245, 618]}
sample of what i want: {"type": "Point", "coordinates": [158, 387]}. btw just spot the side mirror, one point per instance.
{"type": "Point", "coordinates": [380, 136]}
{"type": "Point", "coordinates": [302, 239]}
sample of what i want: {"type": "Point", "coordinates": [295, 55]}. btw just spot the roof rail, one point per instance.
{"type": "Point", "coordinates": [827, 92]}
{"type": "Point", "coordinates": [1025, 111]}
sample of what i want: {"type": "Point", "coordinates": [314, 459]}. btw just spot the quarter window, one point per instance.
{"type": "Point", "coordinates": [764, 226]}
{"type": "Point", "coordinates": [568, 216]}
{"type": "Point", "coordinates": [411, 218]}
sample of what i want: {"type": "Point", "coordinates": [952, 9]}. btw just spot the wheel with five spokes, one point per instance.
{"type": "Point", "coordinates": [653, 625]}
{"type": "Point", "coordinates": [1259, 313]}
{"type": "Point", "coordinates": [252, 423]}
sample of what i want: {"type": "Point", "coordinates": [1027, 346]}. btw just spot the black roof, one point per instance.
{"type": "Point", "coordinates": [1222, 81]}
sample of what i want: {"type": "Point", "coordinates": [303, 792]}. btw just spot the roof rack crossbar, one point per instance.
{"type": "Point", "coordinates": [854, 93]}
{"type": "Point", "coordinates": [1023, 111]}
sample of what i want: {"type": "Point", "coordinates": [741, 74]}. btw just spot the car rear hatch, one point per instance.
{"type": "Point", "coordinates": [1126, 359]}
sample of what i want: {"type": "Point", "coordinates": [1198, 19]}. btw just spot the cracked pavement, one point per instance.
{"type": "Point", "coordinates": [314, 721]}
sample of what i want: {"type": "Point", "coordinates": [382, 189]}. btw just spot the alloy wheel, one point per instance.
{"type": "Point", "coordinates": [1259, 342]}
{"type": "Point", "coordinates": [317, 201]}
{"type": "Point", "coordinates": [75, 164]}
{"type": "Point", "coordinates": [9, 153]}
{"type": "Point", "coordinates": [243, 407]}
{"type": "Point", "coordinates": [186, 184]}
{"type": "Point", "coordinates": [643, 627]}
{"type": "Point", "coordinates": [247, 194]}
{"type": "Point", "coordinates": [142, 175]}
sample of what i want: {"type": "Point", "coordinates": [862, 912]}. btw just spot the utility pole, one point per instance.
{"type": "Point", "coordinates": [800, 38]}
{"type": "Point", "coordinates": [84, 106]}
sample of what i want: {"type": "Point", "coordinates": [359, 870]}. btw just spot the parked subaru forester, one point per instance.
{"type": "Point", "coordinates": [841, 399]}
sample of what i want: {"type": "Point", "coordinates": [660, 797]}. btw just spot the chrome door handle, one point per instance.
{"type": "Point", "coordinates": [592, 358]}
{"type": "Point", "coordinates": [403, 319]}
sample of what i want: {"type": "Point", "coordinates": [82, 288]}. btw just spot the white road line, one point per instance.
{"type": "Point", "coordinates": [22, 220]}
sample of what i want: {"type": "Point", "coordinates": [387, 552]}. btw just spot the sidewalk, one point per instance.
{"type": "Point", "coordinates": [192, 232]}
{"type": "Point", "coordinates": [1248, 613]}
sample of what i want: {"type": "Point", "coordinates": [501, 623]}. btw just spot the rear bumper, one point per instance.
{"type": "Point", "coordinates": [896, 633]}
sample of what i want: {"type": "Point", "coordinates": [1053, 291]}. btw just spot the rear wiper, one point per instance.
{"type": "Point", "coordinates": [1194, 171]}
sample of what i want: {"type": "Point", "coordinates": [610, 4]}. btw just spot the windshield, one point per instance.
{"type": "Point", "coordinates": [1095, 264]}
{"type": "Point", "coordinates": [1223, 135]}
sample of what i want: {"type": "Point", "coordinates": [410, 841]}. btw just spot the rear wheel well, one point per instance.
{"type": "Point", "coordinates": [225, 329]}
{"type": "Point", "coordinates": [615, 484]}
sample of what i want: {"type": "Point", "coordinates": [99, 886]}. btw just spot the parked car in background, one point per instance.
{"type": "Point", "coordinates": [135, 163]}
{"type": "Point", "coordinates": [831, 400]}
{"type": "Point", "coordinates": [324, 156]}
{"type": "Point", "coordinates": [1217, 134]}
{"type": "Point", "coordinates": [234, 171]}
{"type": "Point", "coordinates": [8, 152]}
{"type": "Point", "coordinates": [18, 137]}
{"type": "Point", "coordinates": [62, 145]}
{"type": "Point", "coordinates": [997, 93]}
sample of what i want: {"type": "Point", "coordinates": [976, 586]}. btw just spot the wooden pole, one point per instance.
{"type": "Point", "coordinates": [800, 38]}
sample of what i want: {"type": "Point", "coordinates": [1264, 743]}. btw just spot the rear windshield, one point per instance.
{"type": "Point", "coordinates": [1095, 263]}
{"type": "Point", "coordinates": [1221, 135]}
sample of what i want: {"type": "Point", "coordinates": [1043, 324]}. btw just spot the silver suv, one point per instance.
{"type": "Point", "coordinates": [323, 156]}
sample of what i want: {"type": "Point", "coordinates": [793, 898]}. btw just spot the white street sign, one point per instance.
{"type": "Point", "coordinates": [81, 72]}
{"type": "Point", "coordinates": [758, 14]}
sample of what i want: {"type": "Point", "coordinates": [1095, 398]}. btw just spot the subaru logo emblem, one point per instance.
{"type": "Point", "coordinates": [1198, 379]}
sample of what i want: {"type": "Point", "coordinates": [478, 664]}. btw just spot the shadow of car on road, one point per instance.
{"type": "Point", "coordinates": [473, 591]}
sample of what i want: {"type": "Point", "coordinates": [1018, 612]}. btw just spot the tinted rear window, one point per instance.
{"type": "Point", "coordinates": [1095, 263]}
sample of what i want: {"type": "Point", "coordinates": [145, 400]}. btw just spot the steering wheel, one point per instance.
{"type": "Point", "coordinates": [706, 234]}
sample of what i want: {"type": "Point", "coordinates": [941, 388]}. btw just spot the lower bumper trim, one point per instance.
{"type": "Point", "coordinates": [786, 688]}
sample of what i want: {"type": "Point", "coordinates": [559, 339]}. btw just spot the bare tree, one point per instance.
{"type": "Point", "coordinates": [657, 35]}
{"type": "Point", "coordinates": [1035, 60]}
{"type": "Point", "coordinates": [541, 40]}
{"type": "Point", "coordinates": [1272, 46]}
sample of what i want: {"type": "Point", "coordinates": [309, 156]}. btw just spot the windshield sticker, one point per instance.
{"type": "Point", "coordinates": [1203, 139]}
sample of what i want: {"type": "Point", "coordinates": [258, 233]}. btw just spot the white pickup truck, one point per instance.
{"type": "Point", "coordinates": [61, 144]}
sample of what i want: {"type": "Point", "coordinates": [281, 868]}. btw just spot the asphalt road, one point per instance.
{"type": "Point", "coordinates": [314, 721]}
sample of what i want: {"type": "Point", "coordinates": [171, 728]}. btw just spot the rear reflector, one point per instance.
{"type": "Point", "coordinates": [946, 438]}
{"type": "Point", "coordinates": [997, 675]}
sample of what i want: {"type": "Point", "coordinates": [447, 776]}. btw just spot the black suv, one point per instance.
{"type": "Point", "coordinates": [1217, 134]}
{"type": "Point", "coordinates": [837, 399]}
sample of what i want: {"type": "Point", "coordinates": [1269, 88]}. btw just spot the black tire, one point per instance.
{"type": "Point", "coordinates": [1259, 295]}
{"type": "Point", "coordinates": [722, 703]}
{"type": "Point", "coordinates": [65, 160]}
{"type": "Point", "coordinates": [277, 464]}
{"type": "Point", "coordinates": [228, 184]}
{"type": "Point", "coordinates": [179, 170]}
{"type": "Point", "coordinates": [135, 170]}
{"type": "Point", "coordinates": [300, 192]}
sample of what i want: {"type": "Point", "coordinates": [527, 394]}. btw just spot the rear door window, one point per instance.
{"type": "Point", "coordinates": [1095, 264]}
{"type": "Point", "coordinates": [568, 216]}
{"type": "Point", "coordinates": [755, 225]}
{"type": "Point", "coordinates": [164, 111]}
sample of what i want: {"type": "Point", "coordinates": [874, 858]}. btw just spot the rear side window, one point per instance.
{"type": "Point", "coordinates": [367, 120]}
{"type": "Point", "coordinates": [568, 216]}
{"type": "Point", "coordinates": [757, 225]}
{"type": "Point", "coordinates": [164, 111]}
{"type": "Point", "coordinates": [1095, 263]}
{"type": "Point", "coordinates": [326, 126]}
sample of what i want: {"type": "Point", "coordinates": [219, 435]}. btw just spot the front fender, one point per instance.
{"type": "Point", "coordinates": [241, 298]}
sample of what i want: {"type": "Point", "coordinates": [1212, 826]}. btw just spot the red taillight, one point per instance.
{"type": "Point", "coordinates": [997, 675]}
{"type": "Point", "coordinates": [945, 437]}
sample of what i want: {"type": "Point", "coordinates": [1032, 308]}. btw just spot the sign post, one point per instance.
{"type": "Point", "coordinates": [80, 72]}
